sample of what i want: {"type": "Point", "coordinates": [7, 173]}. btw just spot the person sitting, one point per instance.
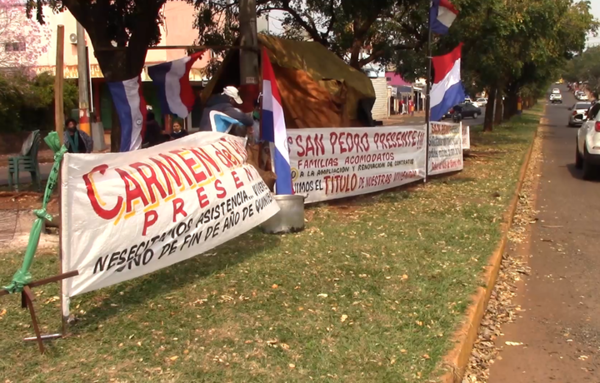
{"type": "Point", "coordinates": [178, 132]}
{"type": "Point", "coordinates": [226, 103]}
{"type": "Point", "coordinates": [154, 133]}
{"type": "Point", "coordinates": [76, 140]}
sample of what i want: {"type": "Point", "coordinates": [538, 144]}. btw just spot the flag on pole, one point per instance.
{"type": "Point", "coordinates": [441, 16]}
{"type": "Point", "coordinates": [447, 89]}
{"type": "Point", "coordinates": [173, 82]}
{"type": "Point", "coordinates": [273, 127]}
{"type": "Point", "coordinates": [129, 102]}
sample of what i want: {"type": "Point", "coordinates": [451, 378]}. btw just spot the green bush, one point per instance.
{"type": "Point", "coordinates": [27, 102]}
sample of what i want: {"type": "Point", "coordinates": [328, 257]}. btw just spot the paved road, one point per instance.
{"type": "Point", "coordinates": [25, 177]}
{"type": "Point", "coordinates": [560, 328]}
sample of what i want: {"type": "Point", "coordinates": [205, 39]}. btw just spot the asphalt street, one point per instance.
{"type": "Point", "coordinates": [558, 336]}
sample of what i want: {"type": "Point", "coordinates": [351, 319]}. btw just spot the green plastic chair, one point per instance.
{"type": "Point", "coordinates": [27, 161]}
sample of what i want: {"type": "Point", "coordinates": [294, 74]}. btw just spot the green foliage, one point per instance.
{"type": "Point", "coordinates": [360, 32]}
{"type": "Point", "coordinates": [585, 67]}
{"type": "Point", "coordinates": [27, 103]}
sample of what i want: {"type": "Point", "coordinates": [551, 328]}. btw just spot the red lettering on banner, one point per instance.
{"type": "Point", "coordinates": [236, 179]}
{"type": "Point", "coordinates": [95, 199]}
{"type": "Point", "coordinates": [206, 160]}
{"type": "Point", "coordinates": [202, 198]}
{"type": "Point", "coordinates": [150, 180]}
{"type": "Point", "coordinates": [150, 218]}
{"type": "Point", "coordinates": [192, 165]}
{"type": "Point", "coordinates": [171, 171]}
{"type": "Point", "coordinates": [178, 208]}
{"type": "Point", "coordinates": [348, 142]}
{"type": "Point", "coordinates": [314, 146]}
{"type": "Point", "coordinates": [221, 191]}
{"type": "Point", "coordinates": [133, 190]}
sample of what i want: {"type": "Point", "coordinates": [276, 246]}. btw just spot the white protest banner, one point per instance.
{"type": "Point", "coordinates": [466, 137]}
{"type": "Point", "coordinates": [129, 214]}
{"type": "Point", "coordinates": [330, 163]}
{"type": "Point", "coordinates": [445, 148]}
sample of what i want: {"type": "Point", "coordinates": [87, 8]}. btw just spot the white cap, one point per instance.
{"type": "Point", "coordinates": [232, 92]}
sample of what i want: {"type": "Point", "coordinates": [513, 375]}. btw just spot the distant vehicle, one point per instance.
{"type": "Point", "coordinates": [587, 153]}
{"type": "Point", "coordinates": [578, 113]}
{"type": "Point", "coordinates": [556, 91]}
{"type": "Point", "coordinates": [482, 101]}
{"type": "Point", "coordinates": [460, 111]}
{"type": "Point", "coordinates": [583, 97]}
{"type": "Point", "coordinates": [556, 98]}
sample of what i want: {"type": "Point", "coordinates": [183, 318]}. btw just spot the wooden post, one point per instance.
{"type": "Point", "coordinates": [59, 114]}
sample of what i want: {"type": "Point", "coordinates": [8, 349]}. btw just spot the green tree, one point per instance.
{"type": "Point", "coordinates": [361, 32]}
{"type": "Point", "coordinates": [514, 48]}
{"type": "Point", "coordinates": [586, 68]}
{"type": "Point", "coordinates": [27, 102]}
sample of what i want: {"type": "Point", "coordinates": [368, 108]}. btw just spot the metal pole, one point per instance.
{"type": "Point", "coordinates": [428, 96]}
{"type": "Point", "coordinates": [84, 121]}
{"type": "Point", "coordinates": [58, 83]}
{"type": "Point", "coordinates": [248, 58]}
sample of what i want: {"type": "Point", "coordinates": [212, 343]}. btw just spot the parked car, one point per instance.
{"type": "Point", "coordinates": [587, 152]}
{"type": "Point", "coordinates": [583, 97]}
{"type": "Point", "coordinates": [460, 111]}
{"type": "Point", "coordinates": [482, 101]}
{"type": "Point", "coordinates": [555, 91]}
{"type": "Point", "coordinates": [578, 113]}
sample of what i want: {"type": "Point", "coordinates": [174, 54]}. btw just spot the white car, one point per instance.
{"type": "Point", "coordinates": [583, 97]}
{"type": "Point", "coordinates": [482, 101]}
{"type": "Point", "coordinates": [578, 113]}
{"type": "Point", "coordinates": [587, 154]}
{"type": "Point", "coordinates": [555, 91]}
{"type": "Point", "coordinates": [554, 98]}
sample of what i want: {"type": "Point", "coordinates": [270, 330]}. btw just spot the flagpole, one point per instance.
{"type": "Point", "coordinates": [428, 94]}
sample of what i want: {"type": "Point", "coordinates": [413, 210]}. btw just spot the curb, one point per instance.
{"type": "Point", "coordinates": [457, 359]}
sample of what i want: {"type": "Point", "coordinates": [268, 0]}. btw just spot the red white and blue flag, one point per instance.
{"type": "Point", "coordinates": [273, 127]}
{"type": "Point", "coordinates": [441, 16]}
{"type": "Point", "coordinates": [447, 89]}
{"type": "Point", "coordinates": [129, 102]}
{"type": "Point", "coordinates": [173, 82]}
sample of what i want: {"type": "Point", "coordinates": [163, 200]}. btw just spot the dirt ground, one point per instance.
{"type": "Point", "coordinates": [16, 219]}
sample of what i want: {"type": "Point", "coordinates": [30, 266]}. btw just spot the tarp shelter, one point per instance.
{"type": "Point", "coordinates": [318, 89]}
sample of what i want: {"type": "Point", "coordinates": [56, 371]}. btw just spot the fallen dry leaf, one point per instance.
{"type": "Point", "coordinates": [174, 358]}
{"type": "Point", "coordinates": [274, 286]}
{"type": "Point", "coordinates": [343, 318]}
{"type": "Point", "coordinates": [322, 295]}
{"type": "Point", "coordinates": [513, 343]}
{"type": "Point", "coordinates": [404, 277]}
{"type": "Point", "coordinates": [292, 365]}
{"type": "Point", "coordinates": [426, 356]}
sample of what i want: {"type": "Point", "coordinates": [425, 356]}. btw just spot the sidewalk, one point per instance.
{"type": "Point", "coordinates": [25, 177]}
{"type": "Point", "coordinates": [405, 119]}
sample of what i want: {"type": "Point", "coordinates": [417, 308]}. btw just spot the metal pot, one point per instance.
{"type": "Point", "coordinates": [290, 217]}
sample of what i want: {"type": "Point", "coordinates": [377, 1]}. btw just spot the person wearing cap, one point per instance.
{"type": "Point", "coordinates": [226, 103]}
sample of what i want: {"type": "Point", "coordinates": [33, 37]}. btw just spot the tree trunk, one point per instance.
{"type": "Point", "coordinates": [488, 121]}
{"type": "Point", "coordinates": [510, 105]}
{"type": "Point", "coordinates": [498, 109]}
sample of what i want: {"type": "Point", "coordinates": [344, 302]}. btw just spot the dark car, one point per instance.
{"type": "Point", "coordinates": [460, 111]}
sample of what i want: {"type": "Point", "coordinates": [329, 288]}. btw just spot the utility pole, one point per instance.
{"type": "Point", "coordinates": [82, 70]}
{"type": "Point", "coordinates": [248, 57]}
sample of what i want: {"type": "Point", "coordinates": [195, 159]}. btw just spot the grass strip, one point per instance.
{"type": "Point", "coordinates": [371, 291]}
